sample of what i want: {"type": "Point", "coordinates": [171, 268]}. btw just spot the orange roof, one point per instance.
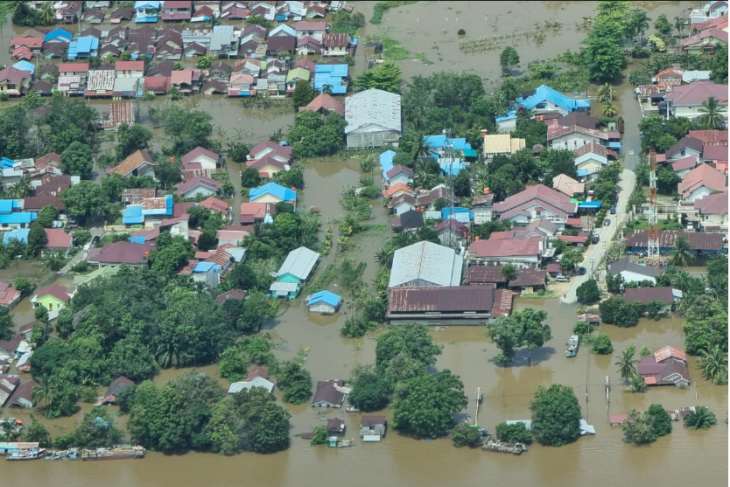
{"type": "Point", "coordinates": [129, 66]}
{"type": "Point", "coordinates": [215, 204]}
{"type": "Point", "coordinates": [325, 101]}
{"type": "Point", "coordinates": [669, 351]}
{"type": "Point", "coordinates": [396, 188]}
{"type": "Point", "coordinates": [132, 162]}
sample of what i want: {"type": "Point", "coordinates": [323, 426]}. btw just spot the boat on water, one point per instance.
{"type": "Point", "coordinates": [118, 453]}
{"type": "Point", "coordinates": [573, 344]}
{"type": "Point", "coordinates": [25, 455]}
{"type": "Point", "coordinates": [504, 447]}
{"type": "Point", "coordinates": [70, 454]}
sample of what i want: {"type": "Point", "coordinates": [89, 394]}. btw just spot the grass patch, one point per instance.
{"type": "Point", "coordinates": [422, 57]}
{"type": "Point", "coordinates": [392, 49]}
{"type": "Point", "coordinates": [536, 295]}
{"type": "Point", "coordinates": [663, 225]}
{"type": "Point", "coordinates": [382, 7]}
{"type": "Point", "coordinates": [373, 229]}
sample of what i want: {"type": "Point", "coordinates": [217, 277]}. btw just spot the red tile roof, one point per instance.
{"type": "Point", "coordinates": [326, 102]}
{"type": "Point", "coordinates": [702, 175]}
{"type": "Point", "coordinates": [697, 92]}
{"type": "Point", "coordinates": [399, 168]}
{"type": "Point", "coordinates": [7, 294]}
{"type": "Point", "coordinates": [157, 83]}
{"type": "Point", "coordinates": [198, 151]}
{"type": "Point", "coordinates": [121, 253]}
{"type": "Point", "coordinates": [554, 201]}
{"type": "Point", "coordinates": [710, 137]}
{"type": "Point", "coordinates": [58, 239]}
{"type": "Point", "coordinates": [129, 66]}
{"type": "Point", "coordinates": [504, 248]}
{"type": "Point", "coordinates": [32, 42]}
{"type": "Point", "coordinates": [389, 192]}
{"type": "Point", "coordinates": [183, 188]}
{"type": "Point", "coordinates": [713, 204]}
{"type": "Point", "coordinates": [56, 291]}
{"type": "Point", "coordinates": [669, 351]}
{"type": "Point", "coordinates": [215, 204]}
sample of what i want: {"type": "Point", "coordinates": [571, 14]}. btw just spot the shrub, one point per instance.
{"type": "Point", "coordinates": [602, 345]}
{"type": "Point", "coordinates": [461, 32]}
{"type": "Point", "coordinates": [517, 433]}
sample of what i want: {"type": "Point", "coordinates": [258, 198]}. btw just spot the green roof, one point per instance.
{"type": "Point", "coordinates": [298, 74]}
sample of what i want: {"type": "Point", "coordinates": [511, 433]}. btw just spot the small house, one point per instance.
{"type": "Point", "coordinates": [200, 185]}
{"type": "Point", "coordinates": [522, 253]}
{"type": "Point", "coordinates": [373, 426]}
{"type": "Point", "coordinates": [241, 85]}
{"type": "Point", "coordinates": [261, 382]}
{"type": "Point", "coordinates": [311, 29]}
{"type": "Point", "coordinates": [631, 272]}
{"type": "Point", "coordinates": [208, 159]}
{"type": "Point", "coordinates": [268, 147]}
{"type": "Point", "coordinates": [112, 392]}
{"type": "Point", "coordinates": [272, 193]}
{"type": "Point", "coordinates": [591, 158]}
{"type": "Point", "coordinates": [335, 427]}
{"type": "Point", "coordinates": [528, 281]}
{"type": "Point", "coordinates": [257, 213]}
{"type": "Point", "coordinates": [9, 296]}
{"type": "Point", "coordinates": [568, 186]}
{"type": "Point", "coordinates": [54, 298]}
{"type": "Point", "coordinates": [335, 44]}
{"type": "Point", "coordinates": [147, 11]}
{"type": "Point", "coordinates": [408, 221]}
{"type": "Point", "coordinates": [667, 366]}
{"type": "Point", "coordinates": [482, 207]}
{"type": "Point", "coordinates": [59, 240]}
{"type": "Point", "coordinates": [23, 395]}
{"type": "Point", "coordinates": [325, 104]}
{"type": "Point", "coordinates": [295, 76]}
{"type": "Point", "coordinates": [120, 253]}
{"type": "Point", "coordinates": [14, 82]}
{"type": "Point", "coordinates": [399, 174]}
{"type": "Point", "coordinates": [451, 232]}
{"type": "Point", "coordinates": [296, 269]}
{"type": "Point", "coordinates": [308, 46]}
{"type": "Point", "coordinates": [267, 166]}
{"type": "Point", "coordinates": [235, 294]}
{"type": "Point", "coordinates": [646, 295]}
{"type": "Point", "coordinates": [139, 163]}
{"type": "Point", "coordinates": [500, 144]}
{"type": "Point", "coordinates": [177, 11]}
{"type": "Point", "coordinates": [373, 118]}
{"type": "Point", "coordinates": [401, 204]}
{"type": "Point", "coordinates": [324, 302]}
{"type": "Point", "coordinates": [330, 394]}
{"type": "Point", "coordinates": [129, 69]}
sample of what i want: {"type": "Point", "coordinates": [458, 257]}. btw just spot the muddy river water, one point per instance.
{"type": "Point", "coordinates": [603, 460]}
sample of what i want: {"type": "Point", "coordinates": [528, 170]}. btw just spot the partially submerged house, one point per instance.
{"type": "Point", "coordinates": [54, 298]}
{"type": "Point", "coordinates": [294, 272]}
{"type": "Point", "coordinates": [646, 295]}
{"type": "Point", "coordinates": [536, 202]}
{"type": "Point", "coordinates": [112, 392]}
{"type": "Point", "coordinates": [373, 427]}
{"type": "Point", "coordinates": [666, 366]}
{"type": "Point", "coordinates": [373, 119]}
{"type": "Point", "coordinates": [522, 253]}
{"type": "Point", "coordinates": [324, 302]}
{"type": "Point", "coordinates": [139, 163]}
{"type": "Point", "coordinates": [330, 394]}
{"type": "Point", "coordinates": [425, 264]}
{"type": "Point", "coordinates": [700, 243]}
{"type": "Point", "coordinates": [455, 303]}
{"type": "Point", "coordinates": [631, 272]}
{"type": "Point", "coordinates": [272, 193]}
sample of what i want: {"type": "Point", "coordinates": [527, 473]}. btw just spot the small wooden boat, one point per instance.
{"type": "Point", "coordinates": [573, 344]}
{"type": "Point", "coordinates": [25, 455]}
{"type": "Point", "coordinates": [118, 453]}
{"type": "Point", "coordinates": [504, 447]}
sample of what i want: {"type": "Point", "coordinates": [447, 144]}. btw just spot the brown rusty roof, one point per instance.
{"type": "Point", "coordinates": [327, 391]}
{"type": "Point", "coordinates": [528, 277]}
{"type": "Point", "coordinates": [667, 238]}
{"type": "Point", "coordinates": [646, 295]}
{"type": "Point", "coordinates": [478, 274]}
{"type": "Point", "coordinates": [368, 421]}
{"type": "Point", "coordinates": [132, 162]}
{"type": "Point", "coordinates": [502, 303]}
{"type": "Point", "coordinates": [440, 299]}
{"type": "Point", "coordinates": [135, 196]}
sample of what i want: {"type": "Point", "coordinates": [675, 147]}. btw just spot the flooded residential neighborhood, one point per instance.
{"type": "Point", "coordinates": [423, 38]}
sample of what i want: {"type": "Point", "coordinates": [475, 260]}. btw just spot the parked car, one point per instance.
{"type": "Point", "coordinates": [606, 222]}
{"type": "Point", "coordinates": [562, 278]}
{"type": "Point", "coordinates": [595, 239]}
{"type": "Point", "coordinates": [613, 210]}
{"type": "Point", "coordinates": [581, 271]}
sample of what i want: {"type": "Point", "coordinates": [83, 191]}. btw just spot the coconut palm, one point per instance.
{"type": "Point", "coordinates": [44, 393]}
{"type": "Point", "coordinates": [711, 117]}
{"type": "Point", "coordinates": [605, 92]}
{"type": "Point", "coordinates": [636, 384]}
{"type": "Point", "coordinates": [682, 281]}
{"type": "Point", "coordinates": [626, 364]}
{"type": "Point", "coordinates": [167, 355]}
{"type": "Point", "coordinates": [681, 254]}
{"type": "Point", "coordinates": [46, 14]}
{"type": "Point", "coordinates": [701, 419]}
{"type": "Point", "coordinates": [421, 147]}
{"type": "Point", "coordinates": [678, 25]}
{"type": "Point", "coordinates": [214, 20]}
{"type": "Point", "coordinates": [639, 22]}
{"type": "Point", "coordinates": [714, 365]}
{"type": "Point", "coordinates": [609, 109]}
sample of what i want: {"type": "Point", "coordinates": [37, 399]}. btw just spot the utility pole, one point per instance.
{"type": "Point", "coordinates": [653, 232]}
{"type": "Point", "coordinates": [608, 393]}
{"type": "Point", "coordinates": [450, 154]}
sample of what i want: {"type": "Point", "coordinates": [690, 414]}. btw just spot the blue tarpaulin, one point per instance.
{"type": "Point", "coordinates": [589, 205]}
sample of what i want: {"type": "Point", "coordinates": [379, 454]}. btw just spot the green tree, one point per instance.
{"type": "Point", "coordinates": [645, 351]}
{"type": "Point", "coordinates": [303, 94]}
{"type": "Point", "coordinates": [385, 76]}
{"type": "Point", "coordinates": [131, 139]}
{"type": "Point", "coordinates": [37, 433]}
{"type": "Point", "coordinates": [231, 364]}
{"type": "Point", "coordinates": [97, 429]}
{"type": "Point", "coordinates": [639, 22]}
{"type": "Point", "coordinates": [521, 329]}
{"type": "Point", "coordinates": [711, 117]}
{"type": "Point", "coordinates": [23, 285]}
{"type": "Point", "coordinates": [555, 415]}
{"type": "Point", "coordinates": [603, 55]}
{"type": "Point", "coordinates": [583, 329]}
{"type": "Point", "coordinates": [465, 434]}
{"type": "Point", "coordinates": [6, 324]}
{"type": "Point", "coordinates": [320, 436]}
{"type": "Point", "coordinates": [558, 161]}
{"type": "Point", "coordinates": [509, 271]}
{"type": "Point", "coordinates": [156, 420]}
{"type": "Point", "coordinates": [250, 178]}
{"type": "Point", "coordinates": [661, 422]}
{"type": "Point", "coordinates": [85, 201]}
{"type": "Point", "coordinates": [639, 428]}
{"type": "Point", "coordinates": [37, 239]}
{"type": "Point", "coordinates": [605, 92]}
{"type": "Point", "coordinates": [426, 405]}
{"type": "Point", "coordinates": [171, 254]}
{"type": "Point", "coordinates": [681, 253]}
{"type": "Point", "coordinates": [608, 109]}
{"type": "Point", "coordinates": [412, 340]}
{"type": "Point", "coordinates": [513, 433]}
{"type": "Point", "coordinates": [369, 392]}
{"type": "Point", "coordinates": [508, 60]}
{"type": "Point", "coordinates": [718, 74]}
{"type": "Point", "coordinates": [636, 383]}
{"type": "Point", "coordinates": [713, 364]}
{"type": "Point", "coordinates": [296, 382]}
{"type": "Point", "coordinates": [76, 160]}
{"type": "Point", "coordinates": [41, 314]}
{"type": "Point", "coordinates": [662, 25]}
{"type": "Point", "coordinates": [129, 357]}
{"type": "Point", "coordinates": [614, 283]}
{"type": "Point", "coordinates": [47, 216]}
{"type": "Point", "coordinates": [701, 419]}
{"type": "Point", "coordinates": [571, 258]}
{"type": "Point", "coordinates": [462, 184]}
{"type": "Point", "coordinates": [602, 345]}
{"type": "Point", "coordinates": [626, 364]}
{"type": "Point", "coordinates": [588, 292]}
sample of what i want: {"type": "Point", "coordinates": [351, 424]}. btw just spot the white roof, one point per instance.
{"type": "Point", "coordinates": [373, 107]}
{"type": "Point", "coordinates": [433, 263]}
{"type": "Point", "coordinates": [255, 382]}
{"type": "Point", "coordinates": [299, 263]}
{"type": "Point", "coordinates": [283, 287]}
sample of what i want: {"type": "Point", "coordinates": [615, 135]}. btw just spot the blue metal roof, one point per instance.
{"type": "Point", "coordinates": [470, 153]}
{"type": "Point", "coordinates": [452, 168]}
{"type": "Point", "coordinates": [87, 44]}
{"type": "Point", "coordinates": [615, 145]}
{"type": "Point", "coordinates": [17, 218]}
{"type": "Point", "coordinates": [582, 172]}
{"type": "Point", "coordinates": [7, 163]}
{"type": "Point", "coordinates": [589, 204]}
{"type": "Point", "coordinates": [24, 65]}
{"type": "Point", "coordinates": [19, 234]}
{"type": "Point", "coordinates": [56, 34]}
{"type": "Point", "coordinates": [545, 93]}
{"type": "Point", "coordinates": [324, 297]}
{"type": "Point", "coordinates": [511, 115]}
{"type": "Point", "coordinates": [276, 190]}
{"type": "Point", "coordinates": [147, 3]}
{"type": "Point", "coordinates": [6, 206]}
{"type": "Point", "coordinates": [137, 240]}
{"type": "Point", "coordinates": [386, 162]}
{"type": "Point", "coordinates": [132, 215]}
{"type": "Point", "coordinates": [457, 213]}
{"type": "Point", "coordinates": [203, 267]}
{"type": "Point", "coordinates": [330, 74]}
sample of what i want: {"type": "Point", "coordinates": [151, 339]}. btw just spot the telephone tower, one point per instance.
{"type": "Point", "coordinates": [653, 233]}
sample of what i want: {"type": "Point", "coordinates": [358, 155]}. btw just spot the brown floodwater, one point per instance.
{"type": "Point", "coordinates": [602, 460]}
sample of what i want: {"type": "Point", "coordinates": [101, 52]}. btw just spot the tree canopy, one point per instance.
{"type": "Point", "coordinates": [555, 415]}
{"type": "Point", "coordinates": [385, 76]}
{"type": "Point", "coordinates": [525, 328]}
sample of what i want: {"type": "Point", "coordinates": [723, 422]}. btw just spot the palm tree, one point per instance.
{"type": "Point", "coordinates": [327, 89]}
{"type": "Point", "coordinates": [609, 109]}
{"type": "Point", "coordinates": [678, 25]}
{"type": "Point", "coordinates": [626, 364]}
{"type": "Point", "coordinates": [682, 280]}
{"type": "Point", "coordinates": [214, 20]}
{"type": "Point", "coordinates": [46, 14]}
{"type": "Point", "coordinates": [681, 254]}
{"type": "Point", "coordinates": [636, 384]}
{"type": "Point", "coordinates": [639, 22]}
{"type": "Point", "coordinates": [714, 365]}
{"type": "Point", "coordinates": [605, 92]}
{"type": "Point", "coordinates": [421, 148]}
{"type": "Point", "coordinates": [44, 393]}
{"type": "Point", "coordinates": [711, 114]}
{"type": "Point", "coordinates": [167, 355]}
{"type": "Point", "coordinates": [701, 419]}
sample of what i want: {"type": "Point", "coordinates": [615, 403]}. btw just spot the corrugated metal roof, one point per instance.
{"type": "Point", "coordinates": [455, 299]}
{"type": "Point", "coordinates": [373, 107]}
{"type": "Point", "coordinates": [324, 297]}
{"type": "Point", "coordinates": [427, 261]}
{"type": "Point", "coordinates": [299, 263]}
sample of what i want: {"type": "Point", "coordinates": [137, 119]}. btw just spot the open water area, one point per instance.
{"type": "Point", "coordinates": [684, 457]}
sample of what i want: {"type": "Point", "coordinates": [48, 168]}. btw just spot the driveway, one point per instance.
{"type": "Point", "coordinates": [595, 253]}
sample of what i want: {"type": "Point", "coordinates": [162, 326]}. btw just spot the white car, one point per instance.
{"type": "Point", "coordinates": [562, 278]}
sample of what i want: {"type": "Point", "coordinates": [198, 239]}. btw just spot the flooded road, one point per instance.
{"type": "Point", "coordinates": [603, 460]}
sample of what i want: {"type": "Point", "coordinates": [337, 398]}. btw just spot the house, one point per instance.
{"type": "Point", "coordinates": [687, 146]}
{"type": "Point", "coordinates": [58, 240]}
{"type": "Point", "coordinates": [425, 264]}
{"type": "Point", "coordinates": [666, 366]}
{"type": "Point", "coordinates": [477, 275]}
{"type": "Point", "coordinates": [700, 182]}
{"type": "Point", "coordinates": [408, 221]}
{"type": "Point", "coordinates": [23, 53]}
{"type": "Point", "coordinates": [701, 243]}
{"type": "Point", "coordinates": [112, 392]}
{"type": "Point", "coordinates": [397, 189]}
{"type": "Point", "coordinates": [177, 11]}
{"type": "Point", "coordinates": [295, 76]}
{"type": "Point", "coordinates": [482, 207]}
{"type": "Point", "coordinates": [324, 302]}
{"type": "Point", "coordinates": [645, 295]}
{"type": "Point", "coordinates": [281, 30]}
{"type": "Point", "coordinates": [14, 82]}
{"type": "Point", "coordinates": [500, 144]}
{"type": "Point", "coordinates": [335, 427]}
{"type": "Point", "coordinates": [261, 382]}
{"type": "Point", "coordinates": [120, 253]}
{"type": "Point", "coordinates": [232, 235]}
{"type": "Point", "coordinates": [9, 296]}
{"type": "Point", "coordinates": [308, 46]}
{"type": "Point", "coordinates": [200, 185]}
{"type": "Point", "coordinates": [671, 76]}
{"type": "Point", "coordinates": [534, 202]}
{"type": "Point", "coordinates": [23, 395]}
{"type": "Point", "coordinates": [121, 14]}
{"type": "Point", "coordinates": [207, 158]}
{"type": "Point", "coordinates": [296, 269]}
{"type": "Point", "coordinates": [686, 100]}
{"type": "Point", "coordinates": [331, 77]}
{"type": "Point", "coordinates": [129, 69]}
{"type": "Point", "coordinates": [268, 147]}
{"type": "Point", "coordinates": [236, 294]}
{"type": "Point", "coordinates": [573, 137]}
{"type": "Point", "coordinates": [257, 212]}
{"type": "Point", "coordinates": [147, 11]}
{"type": "Point", "coordinates": [267, 166]}
{"type": "Point", "coordinates": [157, 85]}
{"type": "Point", "coordinates": [281, 45]}
{"type": "Point", "coordinates": [54, 298]}
{"type": "Point", "coordinates": [683, 166]}
{"type": "Point", "coordinates": [83, 48]}
{"type": "Point", "coordinates": [325, 104]}
{"type": "Point", "coordinates": [372, 426]}
{"type": "Point", "coordinates": [187, 80]}
{"type": "Point", "coordinates": [241, 85]}
{"type": "Point", "coordinates": [8, 383]}
{"type": "Point", "coordinates": [448, 303]}
{"type": "Point", "coordinates": [58, 34]}
{"type": "Point", "coordinates": [401, 204]}
{"type": "Point", "coordinates": [165, 68]}
{"type": "Point", "coordinates": [373, 119]}
{"type": "Point", "coordinates": [330, 394]}
{"type": "Point", "coordinates": [528, 281]}
{"type": "Point", "coordinates": [716, 138]}
{"type": "Point", "coordinates": [547, 100]}
{"type": "Point", "coordinates": [32, 44]}
{"type": "Point", "coordinates": [568, 186]}
{"type": "Point", "coordinates": [428, 198]}
{"type": "Point", "coordinates": [93, 16]}
{"type": "Point", "coordinates": [311, 29]}
{"type": "Point", "coordinates": [706, 41]}
{"type": "Point", "coordinates": [335, 44]}
{"type": "Point", "coordinates": [272, 193]}
{"type": "Point", "coordinates": [139, 163]}
{"type": "Point", "coordinates": [578, 118]}
{"type": "Point", "coordinates": [215, 204]}
{"type": "Point", "coordinates": [399, 175]}
{"type": "Point", "coordinates": [590, 158]}
{"type": "Point", "coordinates": [712, 211]}
{"type": "Point", "coordinates": [451, 232]}
{"type": "Point", "coordinates": [631, 272]}
{"type": "Point", "coordinates": [220, 70]}
{"type": "Point", "coordinates": [522, 253]}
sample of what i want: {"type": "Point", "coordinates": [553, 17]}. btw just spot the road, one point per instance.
{"type": "Point", "coordinates": [596, 252]}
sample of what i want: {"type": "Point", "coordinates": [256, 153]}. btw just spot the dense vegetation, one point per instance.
{"type": "Point", "coordinates": [555, 415]}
